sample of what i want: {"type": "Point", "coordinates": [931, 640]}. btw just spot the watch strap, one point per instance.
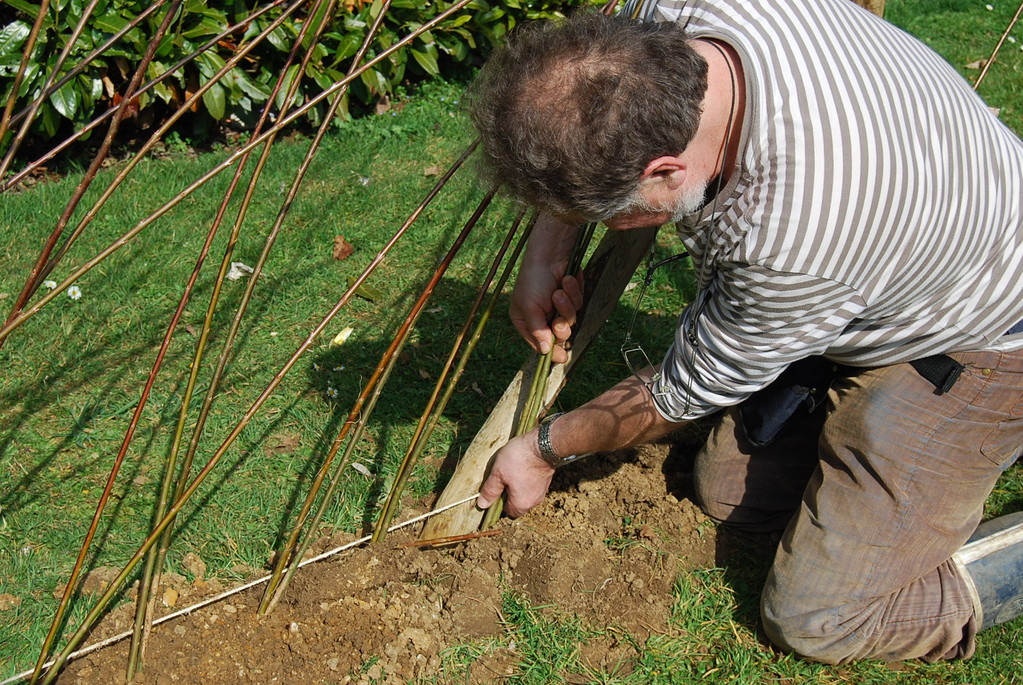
{"type": "Point", "coordinates": [543, 443]}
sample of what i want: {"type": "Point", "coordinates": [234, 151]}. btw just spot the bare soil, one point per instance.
{"type": "Point", "coordinates": [606, 546]}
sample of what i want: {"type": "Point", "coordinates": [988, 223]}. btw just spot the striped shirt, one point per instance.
{"type": "Point", "coordinates": [875, 217]}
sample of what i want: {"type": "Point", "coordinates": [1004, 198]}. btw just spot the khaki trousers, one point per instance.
{"type": "Point", "coordinates": [875, 491]}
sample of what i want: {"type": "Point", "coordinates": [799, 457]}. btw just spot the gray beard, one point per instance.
{"type": "Point", "coordinates": [688, 201]}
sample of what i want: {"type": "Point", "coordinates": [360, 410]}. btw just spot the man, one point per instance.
{"type": "Point", "coordinates": [855, 215]}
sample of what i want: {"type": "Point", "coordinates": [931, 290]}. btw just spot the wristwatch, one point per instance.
{"type": "Point", "coordinates": [543, 442]}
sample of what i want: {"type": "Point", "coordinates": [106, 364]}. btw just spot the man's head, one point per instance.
{"type": "Point", "coordinates": [571, 114]}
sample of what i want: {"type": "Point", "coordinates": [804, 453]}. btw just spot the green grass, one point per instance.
{"type": "Point", "coordinates": [72, 375]}
{"type": "Point", "coordinates": [711, 636]}
{"type": "Point", "coordinates": [965, 32]}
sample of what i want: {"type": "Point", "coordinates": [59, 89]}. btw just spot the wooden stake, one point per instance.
{"type": "Point", "coordinates": [606, 275]}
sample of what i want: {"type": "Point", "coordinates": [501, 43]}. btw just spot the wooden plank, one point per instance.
{"type": "Point", "coordinates": [606, 275]}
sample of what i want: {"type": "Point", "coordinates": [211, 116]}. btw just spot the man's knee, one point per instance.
{"type": "Point", "coordinates": [750, 488]}
{"type": "Point", "coordinates": [746, 511]}
{"type": "Point", "coordinates": [850, 631]}
{"type": "Point", "coordinates": [810, 636]}
{"type": "Point", "coordinates": [817, 626]}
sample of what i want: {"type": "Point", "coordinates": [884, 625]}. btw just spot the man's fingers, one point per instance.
{"type": "Point", "coordinates": [542, 340]}
{"type": "Point", "coordinates": [534, 330]}
{"type": "Point", "coordinates": [565, 307]}
{"type": "Point", "coordinates": [573, 287]}
{"type": "Point", "coordinates": [491, 490]}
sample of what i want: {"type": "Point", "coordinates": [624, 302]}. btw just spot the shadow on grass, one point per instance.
{"type": "Point", "coordinates": [104, 370]}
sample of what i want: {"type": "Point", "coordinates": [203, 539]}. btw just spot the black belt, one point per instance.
{"type": "Point", "coordinates": [942, 371]}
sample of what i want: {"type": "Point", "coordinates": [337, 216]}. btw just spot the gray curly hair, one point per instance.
{"type": "Point", "coordinates": [570, 113]}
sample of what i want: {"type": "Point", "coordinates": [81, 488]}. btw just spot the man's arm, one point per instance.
{"type": "Point", "coordinates": [621, 417]}
{"type": "Point", "coordinates": [545, 299]}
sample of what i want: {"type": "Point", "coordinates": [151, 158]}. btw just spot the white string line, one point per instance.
{"type": "Point", "coordinates": [187, 610]}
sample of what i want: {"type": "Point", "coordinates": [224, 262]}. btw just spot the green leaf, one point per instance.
{"type": "Point", "coordinates": [289, 76]}
{"type": "Point", "coordinates": [110, 23]}
{"type": "Point", "coordinates": [279, 39]}
{"type": "Point", "coordinates": [29, 8]}
{"type": "Point", "coordinates": [65, 100]}
{"type": "Point", "coordinates": [209, 64]}
{"type": "Point", "coordinates": [468, 37]}
{"type": "Point", "coordinates": [316, 21]}
{"type": "Point", "coordinates": [347, 47]}
{"type": "Point", "coordinates": [12, 37]}
{"type": "Point", "coordinates": [366, 292]}
{"type": "Point", "coordinates": [255, 90]}
{"type": "Point", "coordinates": [322, 79]}
{"type": "Point", "coordinates": [207, 27]}
{"type": "Point", "coordinates": [461, 19]}
{"type": "Point", "coordinates": [95, 87]}
{"type": "Point", "coordinates": [427, 61]}
{"type": "Point", "coordinates": [374, 81]}
{"type": "Point", "coordinates": [48, 120]}
{"type": "Point", "coordinates": [215, 100]}
{"type": "Point", "coordinates": [493, 14]}
{"type": "Point", "coordinates": [27, 84]}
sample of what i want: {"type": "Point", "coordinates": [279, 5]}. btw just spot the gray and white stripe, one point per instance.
{"type": "Point", "coordinates": [876, 215]}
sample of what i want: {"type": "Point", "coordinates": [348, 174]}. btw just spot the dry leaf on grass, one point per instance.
{"type": "Point", "coordinates": [434, 170]}
{"type": "Point", "coordinates": [281, 445]}
{"type": "Point", "coordinates": [342, 337]}
{"type": "Point", "coordinates": [238, 270]}
{"type": "Point", "coordinates": [342, 248]}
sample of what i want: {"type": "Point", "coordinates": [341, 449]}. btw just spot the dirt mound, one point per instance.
{"type": "Point", "coordinates": [605, 546]}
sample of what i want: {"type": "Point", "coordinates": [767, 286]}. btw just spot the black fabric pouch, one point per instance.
{"type": "Point", "coordinates": [803, 385]}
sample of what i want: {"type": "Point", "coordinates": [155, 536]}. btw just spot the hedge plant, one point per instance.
{"type": "Point", "coordinates": [461, 42]}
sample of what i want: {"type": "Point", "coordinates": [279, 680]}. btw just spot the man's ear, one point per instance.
{"type": "Point", "coordinates": [668, 169]}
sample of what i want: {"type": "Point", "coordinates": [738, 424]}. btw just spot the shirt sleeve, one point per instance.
{"type": "Point", "coordinates": [742, 331]}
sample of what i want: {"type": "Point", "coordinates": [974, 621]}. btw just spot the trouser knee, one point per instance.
{"type": "Point", "coordinates": [814, 635]}
{"type": "Point", "coordinates": [755, 489]}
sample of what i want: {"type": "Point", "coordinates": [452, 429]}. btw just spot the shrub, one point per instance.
{"type": "Point", "coordinates": [460, 42]}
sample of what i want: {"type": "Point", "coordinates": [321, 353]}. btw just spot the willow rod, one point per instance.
{"type": "Point", "coordinates": [158, 529]}
{"type": "Point", "coordinates": [154, 559]}
{"type": "Point", "coordinates": [435, 408]}
{"type": "Point", "coordinates": [47, 88]}
{"type": "Point", "coordinates": [108, 488]}
{"type": "Point", "coordinates": [11, 325]}
{"type": "Point", "coordinates": [85, 61]}
{"type": "Point", "coordinates": [998, 46]}
{"type": "Point", "coordinates": [271, 239]}
{"type": "Point", "coordinates": [40, 269]}
{"type": "Point", "coordinates": [359, 416]}
{"type": "Point", "coordinates": [541, 374]}
{"type": "Point", "coordinates": [33, 35]}
{"type": "Point", "coordinates": [151, 142]}
{"type": "Point", "coordinates": [113, 639]}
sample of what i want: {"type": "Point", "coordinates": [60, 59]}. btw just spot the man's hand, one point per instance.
{"type": "Point", "coordinates": [520, 473]}
{"type": "Point", "coordinates": [545, 300]}
{"type": "Point", "coordinates": [542, 294]}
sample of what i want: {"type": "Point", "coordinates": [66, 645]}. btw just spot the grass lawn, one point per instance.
{"type": "Point", "coordinates": [71, 376]}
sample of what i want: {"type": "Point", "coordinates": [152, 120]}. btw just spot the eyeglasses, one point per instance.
{"type": "Point", "coordinates": [636, 358]}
